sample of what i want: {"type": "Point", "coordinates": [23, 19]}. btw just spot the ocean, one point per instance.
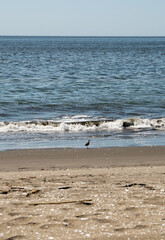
{"type": "Point", "coordinates": [58, 92]}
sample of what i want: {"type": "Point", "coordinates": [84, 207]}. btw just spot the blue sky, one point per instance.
{"type": "Point", "coordinates": [82, 17]}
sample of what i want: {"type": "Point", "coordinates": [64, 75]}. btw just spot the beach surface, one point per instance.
{"type": "Point", "coordinates": [111, 193]}
{"type": "Point", "coordinates": [50, 159]}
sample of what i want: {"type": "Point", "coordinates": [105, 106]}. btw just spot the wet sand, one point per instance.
{"type": "Point", "coordinates": [114, 193]}
{"type": "Point", "coordinates": [37, 159]}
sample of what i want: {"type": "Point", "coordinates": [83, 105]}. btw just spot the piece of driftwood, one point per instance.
{"type": "Point", "coordinates": [63, 188]}
{"type": "Point", "coordinates": [15, 188]}
{"type": "Point", "coordinates": [64, 202]}
{"type": "Point", "coordinates": [140, 185]}
{"type": "Point", "coordinates": [4, 192]}
{"type": "Point", "coordinates": [32, 192]}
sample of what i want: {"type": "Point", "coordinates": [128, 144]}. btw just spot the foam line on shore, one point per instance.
{"type": "Point", "coordinates": [79, 125]}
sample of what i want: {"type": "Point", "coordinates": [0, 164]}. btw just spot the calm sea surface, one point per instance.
{"type": "Point", "coordinates": [61, 91]}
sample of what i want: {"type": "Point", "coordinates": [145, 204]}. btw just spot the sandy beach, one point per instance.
{"type": "Point", "coordinates": [111, 193]}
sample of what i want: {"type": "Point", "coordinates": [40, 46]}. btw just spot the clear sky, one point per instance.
{"type": "Point", "coordinates": [82, 17]}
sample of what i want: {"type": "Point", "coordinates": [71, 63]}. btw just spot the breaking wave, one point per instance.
{"type": "Point", "coordinates": [75, 125]}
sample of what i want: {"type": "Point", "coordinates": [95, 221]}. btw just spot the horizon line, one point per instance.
{"type": "Point", "coordinates": [86, 36]}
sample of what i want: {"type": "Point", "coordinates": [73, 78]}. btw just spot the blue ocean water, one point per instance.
{"type": "Point", "coordinates": [61, 91]}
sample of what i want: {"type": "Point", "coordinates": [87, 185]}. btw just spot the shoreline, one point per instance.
{"type": "Point", "coordinates": [60, 158]}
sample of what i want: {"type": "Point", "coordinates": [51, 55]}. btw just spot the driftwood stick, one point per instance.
{"type": "Point", "coordinates": [48, 203]}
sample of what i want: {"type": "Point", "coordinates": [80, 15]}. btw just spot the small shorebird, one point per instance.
{"type": "Point", "coordinates": [87, 144]}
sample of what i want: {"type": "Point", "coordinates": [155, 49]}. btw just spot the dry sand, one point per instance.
{"type": "Point", "coordinates": [115, 193]}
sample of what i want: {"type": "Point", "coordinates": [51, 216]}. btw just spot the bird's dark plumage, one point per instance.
{"type": "Point", "coordinates": [87, 144]}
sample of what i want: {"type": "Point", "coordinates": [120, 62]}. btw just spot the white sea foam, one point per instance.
{"type": "Point", "coordinates": [78, 125]}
